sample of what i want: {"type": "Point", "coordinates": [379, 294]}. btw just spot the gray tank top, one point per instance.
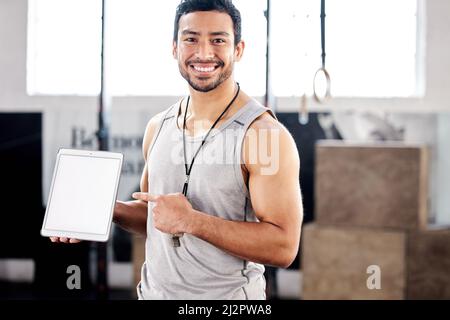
{"type": "Point", "coordinates": [197, 269]}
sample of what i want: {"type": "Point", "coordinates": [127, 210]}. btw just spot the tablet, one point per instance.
{"type": "Point", "coordinates": [82, 195]}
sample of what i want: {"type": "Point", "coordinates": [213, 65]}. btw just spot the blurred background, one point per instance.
{"type": "Point", "coordinates": [375, 158]}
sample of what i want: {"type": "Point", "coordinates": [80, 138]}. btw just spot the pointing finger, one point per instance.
{"type": "Point", "coordinates": [144, 196]}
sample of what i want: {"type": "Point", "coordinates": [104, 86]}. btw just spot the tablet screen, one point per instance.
{"type": "Point", "coordinates": [83, 194]}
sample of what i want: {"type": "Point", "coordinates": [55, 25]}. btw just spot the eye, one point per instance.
{"type": "Point", "coordinates": [218, 41]}
{"type": "Point", "coordinates": [190, 40]}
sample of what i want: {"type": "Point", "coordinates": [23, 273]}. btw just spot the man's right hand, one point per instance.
{"type": "Point", "coordinates": [64, 240]}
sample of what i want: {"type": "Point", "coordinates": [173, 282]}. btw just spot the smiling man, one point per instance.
{"type": "Point", "coordinates": [220, 195]}
{"type": "Point", "coordinates": [213, 224]}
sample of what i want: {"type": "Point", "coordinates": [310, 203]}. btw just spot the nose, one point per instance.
{"type": "Point", "coordinates": [205, 50]}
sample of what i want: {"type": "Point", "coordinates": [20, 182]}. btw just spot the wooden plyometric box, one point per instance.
{"type": "Point", "coordinates": [429, 265]}
{"type": "Point", "coordinates": [412, 264]}
{"type": "Point", "coordinates": [336, 260]}
{"type": "Point", "coordinates": [373, 185]}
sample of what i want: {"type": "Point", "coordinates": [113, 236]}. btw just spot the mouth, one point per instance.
{"type": "Point", "coordinates": [204, 69]}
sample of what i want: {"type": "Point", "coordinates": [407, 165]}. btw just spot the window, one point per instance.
{"type": "Point", "coordinates": [370, 47]}
{"type": "Point", "coordinates": [63, 47]}
{"type": "Point", "coordinates": [65, 37]}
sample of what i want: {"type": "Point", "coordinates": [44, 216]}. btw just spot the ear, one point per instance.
{"type": "Point", "coordinates": [174, 50]}
{"type": "Point", "coordinates": [239, 51]}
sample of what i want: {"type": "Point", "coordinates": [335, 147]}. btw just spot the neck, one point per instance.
{"type": "Point", "coordinates": [209, 105]}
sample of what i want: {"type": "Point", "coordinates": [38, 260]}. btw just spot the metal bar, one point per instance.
{"type": "Point", "coordinates": [103, 137]}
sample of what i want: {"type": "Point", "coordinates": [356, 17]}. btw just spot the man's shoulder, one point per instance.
{"type": "Point", "coordinates": [267, 134]}
{"type": "Point", "coordinates": [155, 120]}
{"type": "Point", "coordinates": [266, 128]}
{"type": "Point", "coordinates": [266, 121]}
{"type": "Point", "coordinates": [153, 125]}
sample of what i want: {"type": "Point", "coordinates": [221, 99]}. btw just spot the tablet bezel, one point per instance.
{"type": "Point", "coordinates": [80, 235]}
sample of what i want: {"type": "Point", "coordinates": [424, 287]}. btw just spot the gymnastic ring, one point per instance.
{"type": "Point", "coordinates": [327, 96]}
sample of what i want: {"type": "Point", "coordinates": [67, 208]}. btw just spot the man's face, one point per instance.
{"type": "Point", "coordinates": [205, 50]}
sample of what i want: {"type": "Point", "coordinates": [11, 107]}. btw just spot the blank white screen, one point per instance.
{"type": "Point", "coordinates": [83, 194]}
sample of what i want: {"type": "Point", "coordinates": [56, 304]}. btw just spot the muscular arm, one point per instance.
{"type": "Point", "coordinates": [276, 199]}
{"type": "Point", "coordinates": [132, 215]}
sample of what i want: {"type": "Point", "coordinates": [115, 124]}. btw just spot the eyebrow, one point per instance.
{"type": "Point", "coordinates": [217, 33]}
{"type": "Point", "coordinates": [220, 33]}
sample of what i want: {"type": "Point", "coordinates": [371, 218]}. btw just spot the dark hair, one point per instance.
{"type": "Point", "coordinates": [226, 6]}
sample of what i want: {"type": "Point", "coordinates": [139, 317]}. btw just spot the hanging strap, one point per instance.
{"type": "Point", "coordinates": [322, 30]}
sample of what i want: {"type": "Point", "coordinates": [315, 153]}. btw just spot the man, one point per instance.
{"type": "Point", "coordinates": [211, 223]}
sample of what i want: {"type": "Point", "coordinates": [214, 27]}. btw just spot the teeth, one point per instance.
{"type": "Point", "coordinates": [200, 69]}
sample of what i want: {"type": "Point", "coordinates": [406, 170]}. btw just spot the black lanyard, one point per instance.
{"type": "Point", "coordinates": [176, 237]}
{"type": "Point", "coordinates": [189, 168]}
